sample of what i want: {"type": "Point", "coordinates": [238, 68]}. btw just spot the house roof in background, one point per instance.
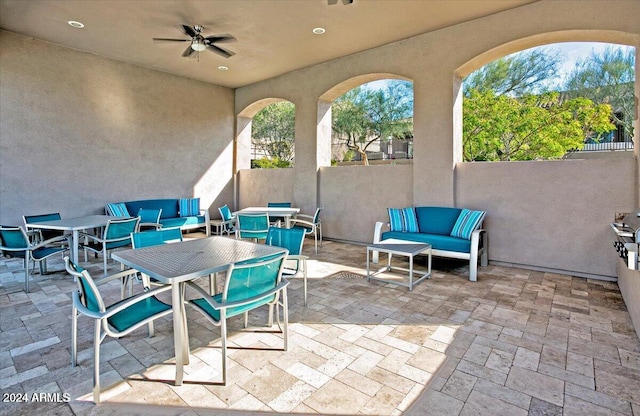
{"type": "Point", "coordinates": [273, 37]}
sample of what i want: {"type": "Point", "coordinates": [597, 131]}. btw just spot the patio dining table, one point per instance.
{"type": "Point", "coordinates": [177, 263]}
{"type": "Point", "coordinates": [75, 225]}
{"type": "Point", "coordinates": [286, 213]}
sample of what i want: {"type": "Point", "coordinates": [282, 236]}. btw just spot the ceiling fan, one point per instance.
{"type": "Point", "coordinates": [345, 2]}
{"type": "Point", "coordinates": [199, 43]}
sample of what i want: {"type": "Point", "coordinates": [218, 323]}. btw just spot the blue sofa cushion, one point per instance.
{"type": "Point", "coordinates": [182, 221]}
{"type": "Point", "coordinates": [189, 206]}
{"type": "Point", "coordinates": [117, 209]}
{"type": "Point", "coordinates": [467, 223]}
{"type": "Point", "coordinates": [437, 220]}
{"type": "Point", "coordinates": [438, 242]}
{"type": "Point", "coordinates": [396, 221]}
{"type": "Point", "coordinates": [410, 220]}
{"type": "Point", "coordinates": [169, 207]}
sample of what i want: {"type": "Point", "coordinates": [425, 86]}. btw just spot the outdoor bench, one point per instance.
{"type": "Point", "coordinates": [452, 232]}
{"type": "Point", "coordinates": [184, 213]}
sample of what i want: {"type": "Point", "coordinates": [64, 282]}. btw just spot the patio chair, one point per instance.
{"type": "Point", "coordinates": [116, 320]}
{"type": "Point", "coordinates": [14, 242]}
{"type": "Point", "coordinates": [228, 220]}
{"type": "Point", "coordinates": [310, 224]}
{"type": "Point", "coordinates": [153, 238]}
{"type": "Point", "coordinates": [117, 234]}
{"type": "Point", "coordinates": [292, 239]}
{"type": "Point", "coordinates": [275, 220]}
{"type": "Point", "coordinates": [249, 285]}
{"type": "Point", "coordinates": [149, 219]}
{"type": "Point", "coordinates": [41, 235]}
{"type": "Point", "coordinates": [252, 226]}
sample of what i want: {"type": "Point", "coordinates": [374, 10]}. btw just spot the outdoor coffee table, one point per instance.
{"type": "Point", "coordinates": [401, 249]}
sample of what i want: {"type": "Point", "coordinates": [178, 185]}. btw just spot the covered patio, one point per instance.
{"type": "Point", "coordinates": [102, 114]}
{"type": "Point", "coordinates": [515, 342]}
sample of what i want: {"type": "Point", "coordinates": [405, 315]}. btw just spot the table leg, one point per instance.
{"type": "Point", "coordinates": [176, 300]}
{"type": "Point", "coordinates": [75, 244]}
{"type": "Point", "coordinates": [410, 272]}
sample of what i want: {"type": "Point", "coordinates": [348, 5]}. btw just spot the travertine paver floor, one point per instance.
{"type": "Point", "coordinates": [516, 342]}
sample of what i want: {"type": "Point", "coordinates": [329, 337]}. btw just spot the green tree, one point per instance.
{"type": "Point", "coordinates": [363, 116]}
{"type": "Point", "coordinates": [504, 128]}
{"type": "Point", "coordinates": [517, 74]}
{"type": "Point", "coordinates": [272, 133]}
{"type": "Point", "coordinates": [607, 78]}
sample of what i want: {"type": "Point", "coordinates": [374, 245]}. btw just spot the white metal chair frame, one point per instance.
{"type": "Point", "coordinates": [280, 292]}
{"type": "Point", "coordinates": [310, 222]}
{"type": "Point", "coordinates": [101, 318]}
{"type": "Point", "coordinates": [102, 243]}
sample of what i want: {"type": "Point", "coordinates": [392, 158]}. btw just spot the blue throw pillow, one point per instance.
{"type": "Point", "coordinates": [468, 221]}
{"type": "Point", "coordinates": [117, 209]}
{"type": "Point", "coordinates": [410, 220]}
{"type": "Point", "coordinates": [189, 207]}
{"type": "Point", "coordinates": [396, 220]}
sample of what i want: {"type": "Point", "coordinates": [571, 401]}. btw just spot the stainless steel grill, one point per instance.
{"type": "Point", "coordinates": [627, 242]}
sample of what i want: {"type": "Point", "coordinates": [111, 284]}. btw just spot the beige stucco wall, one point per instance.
{"type": "Point", "coordinates": [435, 62]}
{"type": "Point", "coordinates": [78, 130]}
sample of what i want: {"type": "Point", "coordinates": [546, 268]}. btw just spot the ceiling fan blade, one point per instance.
{"type": "Point", "coordinates": [171, 40]}
{"type": "Point", "coordinates": [189, 31]}
{"type": "Point", "coordinates": [220, 51]}
{"type": "Point", "coordinates": [189, 52]}
{"type": "Point", "coordinates": [226, 38]}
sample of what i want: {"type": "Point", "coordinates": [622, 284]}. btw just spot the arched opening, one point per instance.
{"type": "Point", "coordinates": [371, 119]}
{"type": "Point", "coordinates": [266, 135]}
{"type": "Point", "coordinates": [552, 96]}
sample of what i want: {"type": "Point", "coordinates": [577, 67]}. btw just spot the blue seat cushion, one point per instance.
{"type": "Point", "coordinates": [437, 220]}
{"type": "Point", "coordinates": [135, 313]}
{"type": "Point", "coordinates": [182, 221]}
{"type": "Point", "coordinates": [438, 242]}
{"type": "Point", "coordinates": [169, 207]}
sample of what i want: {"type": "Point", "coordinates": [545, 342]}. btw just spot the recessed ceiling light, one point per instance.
{"type": "Point", "coordinates": [76, 24]}
{"type": "Point", "coordinates": [319, 30]}
{"type": "Point", "coordinates": [223, 68]}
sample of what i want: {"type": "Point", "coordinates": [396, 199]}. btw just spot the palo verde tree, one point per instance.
{"type": "Point", "coordinates": [509, 112]}
{"type": "Point", "coordinates": [272, 134]}
{"type": "Point", "coordinates": [363, 116]}
{"type": "Point", "coordinates": [504, 128]}
{"type": "Point", "coordinates": [607, 78]}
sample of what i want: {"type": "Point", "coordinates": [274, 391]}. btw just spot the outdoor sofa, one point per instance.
{"type": "Point", "coordinates": [452, 232]}
{"type": "Point", "coordinates": [184, 213]}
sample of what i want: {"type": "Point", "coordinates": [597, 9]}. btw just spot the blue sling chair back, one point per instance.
{"type": "Point", "coordinates": [292, 239]}
{"type": "Point", "coordinates": [249, 285]}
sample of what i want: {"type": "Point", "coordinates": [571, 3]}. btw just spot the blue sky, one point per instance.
{"type": "Point", "coordinates": [572, 51]}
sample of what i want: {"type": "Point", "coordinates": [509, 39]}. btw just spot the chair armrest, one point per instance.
{"type": "Point", "coordinates": [219, 306]}
{"type": "Point", "coordinates": [294, 221]}
{"type": "Point", "coordinates": [118, 275]}
{"type": "Point", "coordinates": [59, 239]}
{"type": "Point", "coordinates": [310, 217]}
{"type": "Point", "coordinates": [135, 299]}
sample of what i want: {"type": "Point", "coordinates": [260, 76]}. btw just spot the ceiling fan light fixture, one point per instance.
{"type": "Point", "coordinates": [223, 68]}
{"type": "Point", "coordinates": [198, 45]}
{"type": "Point", "coordinates": [319, 30]}
{"type": "Point", "coordinates": [76, 24]}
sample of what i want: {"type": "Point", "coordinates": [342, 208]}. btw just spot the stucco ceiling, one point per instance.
{"type": "Point", "coordinates": [273, 36]}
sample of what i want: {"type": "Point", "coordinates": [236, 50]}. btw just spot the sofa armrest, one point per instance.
{"type": "Point", "coordinates": [207, 221]}
{"type": "Point", "coordinates": [480, 247]}
{"type": "Point", "coordinates": [377, 235]}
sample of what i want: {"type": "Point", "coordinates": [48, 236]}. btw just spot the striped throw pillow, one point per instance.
{"type": "Point", "coordinates": [410, 220]}
{"type": "Point", "coordinates": [117, 209]}
{"type": "Point", "coordinates": [396, 220]}
{"type": "Point", "coordinates": [468, 221]}
{"type": "Point", "coordinates": [189, 207]}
